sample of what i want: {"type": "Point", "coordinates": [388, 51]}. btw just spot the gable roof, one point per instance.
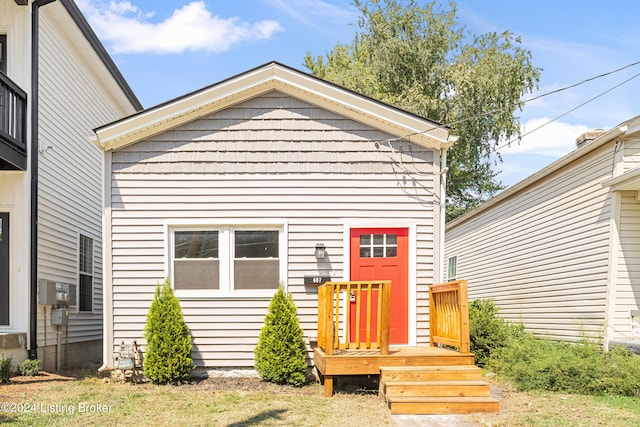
{"type": "Point", "coordinates": [263, 79]}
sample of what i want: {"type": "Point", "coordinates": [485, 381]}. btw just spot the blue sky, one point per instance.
{"type": "Point", "coordinates": [168, 48]}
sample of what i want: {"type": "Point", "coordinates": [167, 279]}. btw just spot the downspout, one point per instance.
{"type": "Point", "coordinates": [33, 254]}
{"type": "Point", "coordinates": [443, 201]}
{"type": "Point", "coordinates": [443, 209]}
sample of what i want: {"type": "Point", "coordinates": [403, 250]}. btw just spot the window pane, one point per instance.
{"type": "Point", "coordinates": [86, 255]}
{"type": "Point", "coordinates": [392, 239]}
{"type": "Point", "coordinates": [196, 244]}
{"type": "Point", "coordinates": [256, 244]}
{"type": "Point", "coordinates": [256, 273]}
{"type": "Point", "coordinates": [378, 239]}
{"type": "Point", "coordinates": [196, 274]}
{"type": "Point", "coordinates": [392, 252]}
{"type": "Point", "coordinates": [365, 252]}
{"type": "Point", "coordinates": [378, 252]}
{"type": "Point", "coordinates": [365, 239]}
{"type": "Point", "coordinates": [86, 293]}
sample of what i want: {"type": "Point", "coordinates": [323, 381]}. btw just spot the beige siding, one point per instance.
{"type": "Point", "coordinates": [631, 150]}
{"type": "Point", "coordinates": [628, 280]}
{"type": "Point", "coordinates": [541, 253]}
{"type": "Point", "coordinates": [270, 159]}
{"type": "Point", "coordinates": [74, 98]}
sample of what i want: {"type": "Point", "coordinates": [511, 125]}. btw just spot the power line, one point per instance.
{"type": "Point", "coordinates": [566, 113]}
{"type": "Point", "coordinates": [553, 92]}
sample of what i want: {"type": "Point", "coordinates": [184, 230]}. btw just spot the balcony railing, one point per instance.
{"type": "Point", "coordinates": [13, 125]}
{"type": "Point", "coordinates": [449, 315]}
{"type": "Point", "coordinates": [354, 316]}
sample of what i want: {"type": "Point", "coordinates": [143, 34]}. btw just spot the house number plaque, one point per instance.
{"type": "Point", "coordinates": [316, 280]}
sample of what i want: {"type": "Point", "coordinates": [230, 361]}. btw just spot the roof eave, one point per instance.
{"type": "Point", "coordinates": [259, 81]}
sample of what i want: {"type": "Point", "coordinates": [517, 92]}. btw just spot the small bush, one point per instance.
{"type": "Point", "coordinates": [280, 356]}
{"type": "Point", "coordinates": [168, 353]}
{"type": "Point", "coordinates": [487, 331]}
{"type": "Point", "coordinates": [30, 367]}
{"type": "Point", "coordinates": [582, 368]}
{"type": "Point", "coordinates": [6, 369]}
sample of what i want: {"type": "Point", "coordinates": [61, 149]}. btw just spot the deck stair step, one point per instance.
{"type": "Point", "coordinates": [442, 405]}
{"type": "Point", "coordinates": [430, 373]}
{"type": "Point", "coordinates": [436, 390]}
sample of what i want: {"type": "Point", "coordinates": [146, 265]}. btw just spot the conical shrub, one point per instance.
{"type": "Point", "coordinates": [280, 356]}
{"type": "Point", "coordinates": [168, 353]}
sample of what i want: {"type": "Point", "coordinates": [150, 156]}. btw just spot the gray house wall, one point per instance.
{"type": "Point", "coordinates": [273, 159]}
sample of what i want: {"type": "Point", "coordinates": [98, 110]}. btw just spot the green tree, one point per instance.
{"type": "Point", "coordinates": [168, 354]}
{"type": "Point", "coordinates": [420, 59]}
{"type": "Point", "coordinates": [280, 356]}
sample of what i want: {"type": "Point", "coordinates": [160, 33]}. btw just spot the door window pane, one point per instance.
{"type": "Point", "coordinates": [378, 245]}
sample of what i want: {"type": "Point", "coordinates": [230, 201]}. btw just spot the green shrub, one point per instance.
{"type": "Point", "coordinates": [280, 356]}
{"type": "Point", "coordinates": [168, 353]}
{"type": "Point", "coordinates": [30, 367]}
{"type": "Point", "coordinates": [487, 331]}
{"type": "Point", "coordinates": [6, 369]}
{"type": "Point", "coordinates": [582, 368]}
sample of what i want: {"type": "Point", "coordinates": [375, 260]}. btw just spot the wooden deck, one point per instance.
{"type": "Point", "coordinates": [369, 362]}
{"type": "Point", "coordinates": [413, 380]}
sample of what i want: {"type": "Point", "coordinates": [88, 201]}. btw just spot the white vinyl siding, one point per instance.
{"type": "Point", "coordinates": [542, 253]}
{"type": "Point", "coordinates": [270, 160]}
{"type": "Point", "coordinates": [76, 95]}
{"type": "Point", "coordinates": [628, 272]}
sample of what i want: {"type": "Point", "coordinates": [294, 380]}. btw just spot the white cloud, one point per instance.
{"type": "Point", "coordinates": [551, 139]}
{"type": "Point", "coordinates": [126, 29]}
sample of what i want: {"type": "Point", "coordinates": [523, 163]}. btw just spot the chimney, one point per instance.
{"type": "Point", "coordinates": [588, 136]}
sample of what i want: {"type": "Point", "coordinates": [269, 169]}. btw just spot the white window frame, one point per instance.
{"type": "Point", "coordinates": [225, 256]}
{"type": "Point", "coordinates": [92, 274]}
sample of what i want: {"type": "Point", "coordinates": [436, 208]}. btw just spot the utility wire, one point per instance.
{"type": "Point", "coordinates": [565, 113]}
{"type": "Point", "coordinates": [553, 92]}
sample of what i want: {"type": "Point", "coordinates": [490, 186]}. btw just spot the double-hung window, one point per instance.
{"type": "Point", "coordinates": [226, 260]}
{"type": "Point", "coordinates": [85, 273]}
{"type": "Point", "coordinates": [452, 268]}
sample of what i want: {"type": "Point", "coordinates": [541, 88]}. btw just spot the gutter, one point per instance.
{"type": "Point", "coordinates": [33, 250]}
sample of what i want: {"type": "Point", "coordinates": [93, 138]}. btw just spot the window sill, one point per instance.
{"type": "Point", "coordinates": [208, 295]}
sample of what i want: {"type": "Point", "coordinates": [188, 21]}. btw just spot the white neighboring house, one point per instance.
{"type": "Point", "coordinates": [57, 83]}
{"type": "Point", "coordinates": [560, 251]}
{"type": "Point", "coordinates": [272, 176]}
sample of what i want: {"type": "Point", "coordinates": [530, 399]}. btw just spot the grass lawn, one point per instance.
{"type": "Point", "coordinates": [54, 400]}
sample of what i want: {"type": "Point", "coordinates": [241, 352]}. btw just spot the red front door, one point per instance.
{"type": "Point", "coordinates": [383, 254]}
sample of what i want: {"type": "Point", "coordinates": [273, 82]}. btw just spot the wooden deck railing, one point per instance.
{"type": "Point", "coordinates": [345, 309]}
{"type": "Point", "coordinates": [449, 315]}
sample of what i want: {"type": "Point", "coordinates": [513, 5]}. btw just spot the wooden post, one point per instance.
{"type": "Point", "coordinates": [386, 317]}
{"type": "Point", "coordinates": [322, 317]}
{"type": "Point", "coordinates": [328, 385]}
{"type": "Point", "coordinates": [465, 339]}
